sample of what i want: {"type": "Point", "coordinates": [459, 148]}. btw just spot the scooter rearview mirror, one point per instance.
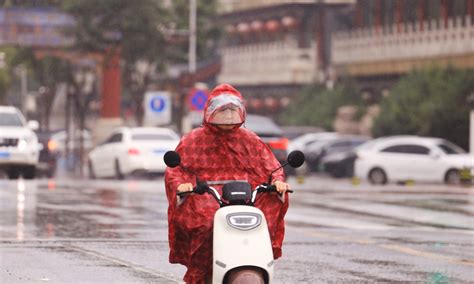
{"type": "Point", "coordinates": [296, 159]}
{"type": "Point", "coordinates": [172, 159]}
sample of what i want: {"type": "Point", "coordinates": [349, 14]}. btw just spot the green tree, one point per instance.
{"type": "Point", "coordinates": [48, 72]}
{"type": "Point", "coordinates": [429, 102]}
{"type": "Point", "coordinates": [142, 30]}
{"type": "Point", "coordinates": [317, 106]}
{"type": "Point", "coordinates": [132, 26]}
{"type": "Point", "coordinates": [207, 31]}
{"type": "Point", "coordinates": [5, 73]}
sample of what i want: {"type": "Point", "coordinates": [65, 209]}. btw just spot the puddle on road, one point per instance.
{"type": "Point", "coordinates": [81, 212]}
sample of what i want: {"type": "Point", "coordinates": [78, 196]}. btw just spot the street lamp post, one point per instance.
{"type": "Point", "coordinates": [192, 36]}
{"type": "Point", "coordinates": [84, 80]}
{"type": "Point", "coordinates": [188, 79]}
{"type": "Point", "coordinates": [470, 101]}
{"type": "Point", "coordinates": [22, 72]}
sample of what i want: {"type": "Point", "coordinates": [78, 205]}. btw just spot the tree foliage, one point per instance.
{"type": "Point", "coordinates": [48, 72]}
{"type": "Point", "coordinates": [6, 72]}
{"type": "Point", "coordinates": [429, 102]}
{"type": "Point", "coordinates": [142, 30]}
{"type": "Point", "coordinates": [132, 25]}
{"type": "Point", "coordinates": [207, 31]}
{"type": "Point", "coordinates": [317, 106]}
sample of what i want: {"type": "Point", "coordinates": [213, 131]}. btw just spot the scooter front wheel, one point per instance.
{"type": "Point", "coordinates": [246, 276]}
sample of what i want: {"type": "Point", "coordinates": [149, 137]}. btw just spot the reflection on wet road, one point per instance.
{"type": "Point", "coordinates": [104, 231]}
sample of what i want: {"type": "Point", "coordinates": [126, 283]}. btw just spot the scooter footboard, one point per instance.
{"type": "Point", "coordinates": [241, 238]}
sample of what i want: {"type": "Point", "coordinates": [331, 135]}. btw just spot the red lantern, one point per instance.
{"type": "Point", "coordinates": [256, 26]}
{"type": "Point", "coordinates": [243, 28]}
{"type": "Point", "coordinates": [256, 103]}
{"type": "Point", "coordinates": [272, 25]}
{"type": "Point", "coordinates": [271, 102]}
{"type": "Point", "coordinates": [230, 29]}
{"type": "Point", "coordinates": [285, 101]}
{"type": "Point", "coordinates": [289, 22]}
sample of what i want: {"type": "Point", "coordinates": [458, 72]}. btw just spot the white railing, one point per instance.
{"type": "Point", "coordinates": [435, 40]}
{"type": "Point", "coordinates": [268, 63]}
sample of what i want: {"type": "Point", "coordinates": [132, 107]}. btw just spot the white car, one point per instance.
{"type": "Point", "coordinates": [19, 147]}
{"type": "Point", "coordinates": [302, 142]}
{"type": "Point", "coordinates": [308, 143]}
{"type": "Point", "coordinates": [414, 158]}
{"type": "Point", "coordinates": [132, 151]}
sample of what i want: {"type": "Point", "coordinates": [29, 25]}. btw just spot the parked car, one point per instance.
{"type": "Point", "coordinates": [48, 155]}
{"type": "Point", "coordinates": [293, 132]}
{"type": "Point", "coordinates": [132, 151]}
{"type": "Point", "coordinates": [270, 133]}
{"type": "Point", "coordinates": [402, 158]}
{"type": "Point", "coordinates": [318, 152]}
{"type": "Point", "coordinates": [340, 156]}
{"type": "Point", "coordinates": [302, 142]}
{"type": "Point", "coordinates": [19, 147]}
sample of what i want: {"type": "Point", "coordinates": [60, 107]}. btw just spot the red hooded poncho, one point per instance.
{"type": "Point", "coordinates": [216, 155]}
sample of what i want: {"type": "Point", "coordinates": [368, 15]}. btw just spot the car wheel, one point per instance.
{"type": "Point", "coordinates": [91, 170]}
{"type": "Point", "coordinates": [338, 172]}
{"type": "Point", "coordinates": [377, 176]}
{"type": "Point", "coordinates": [13, 173]}
{"type": "Point", "coordinates": [118, 173]}
{"type": "Point", "coordinates": [452, 177]}
{"type": "Point", "coordinates": [29, 172]}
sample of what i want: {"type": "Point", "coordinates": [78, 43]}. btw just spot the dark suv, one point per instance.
{"type": "Point", "coordinates": [336, 156]}
{"type": "Point", "coordinates": [272, 135]}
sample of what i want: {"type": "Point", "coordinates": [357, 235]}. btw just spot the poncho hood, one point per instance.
{"type": "Point", "coordinates": [224, 97]}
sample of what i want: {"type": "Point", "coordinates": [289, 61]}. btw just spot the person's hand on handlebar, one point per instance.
{"type": "Point", "coordinates": [185, 187]}
{"type": "Point", "coordinates": [281, 187]}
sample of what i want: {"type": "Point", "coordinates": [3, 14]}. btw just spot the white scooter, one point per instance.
{"type": "Point", "coordinates": [242, 249]}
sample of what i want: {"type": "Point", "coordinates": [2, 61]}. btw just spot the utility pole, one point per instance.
{"type": "Point", "coordinates": [21, 71]}
{"type": "Point", "coordinates": [192, 36]}
{"type": "Point", "coordinates": [184, 119]}
{"type": "Point", "coordinates": [470, 101]}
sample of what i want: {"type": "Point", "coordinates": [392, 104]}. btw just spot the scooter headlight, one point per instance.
{"type": "Point", "coordinates": [244, 221]}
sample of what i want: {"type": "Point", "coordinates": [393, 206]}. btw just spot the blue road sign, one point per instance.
{"type": "Point", "coordinates": [197, 99]}
{"type": "Point", "coordinates": [157, 104]}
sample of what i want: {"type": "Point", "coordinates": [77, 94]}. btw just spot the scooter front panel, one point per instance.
{"type": "Point", "coordinates": [239, 242]}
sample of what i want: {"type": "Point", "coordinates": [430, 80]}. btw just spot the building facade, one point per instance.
{"type": "Point", "coordinates": [390, 38]}
{"type": "Point", "coordinates": [272, 49]}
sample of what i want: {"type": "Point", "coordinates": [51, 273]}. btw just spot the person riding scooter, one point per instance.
{"type": "Point", "coordinates": [219, 152]}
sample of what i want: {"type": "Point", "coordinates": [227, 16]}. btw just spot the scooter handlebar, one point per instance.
{"type": "Point", "coordinates": [184, 193]}
{"type": "Point", "coordinates": [209, 189]}
{"type": "Point", "coordinates": [270, 188]}
{"type": "Point", "coordinates": [201, 188]}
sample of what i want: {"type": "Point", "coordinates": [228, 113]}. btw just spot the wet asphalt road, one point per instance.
{"type": "Point", "coordinates": [74, 231]}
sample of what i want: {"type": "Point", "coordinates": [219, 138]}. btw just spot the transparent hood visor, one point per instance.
{"type": "Point", "coordinates": [225, 109]}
